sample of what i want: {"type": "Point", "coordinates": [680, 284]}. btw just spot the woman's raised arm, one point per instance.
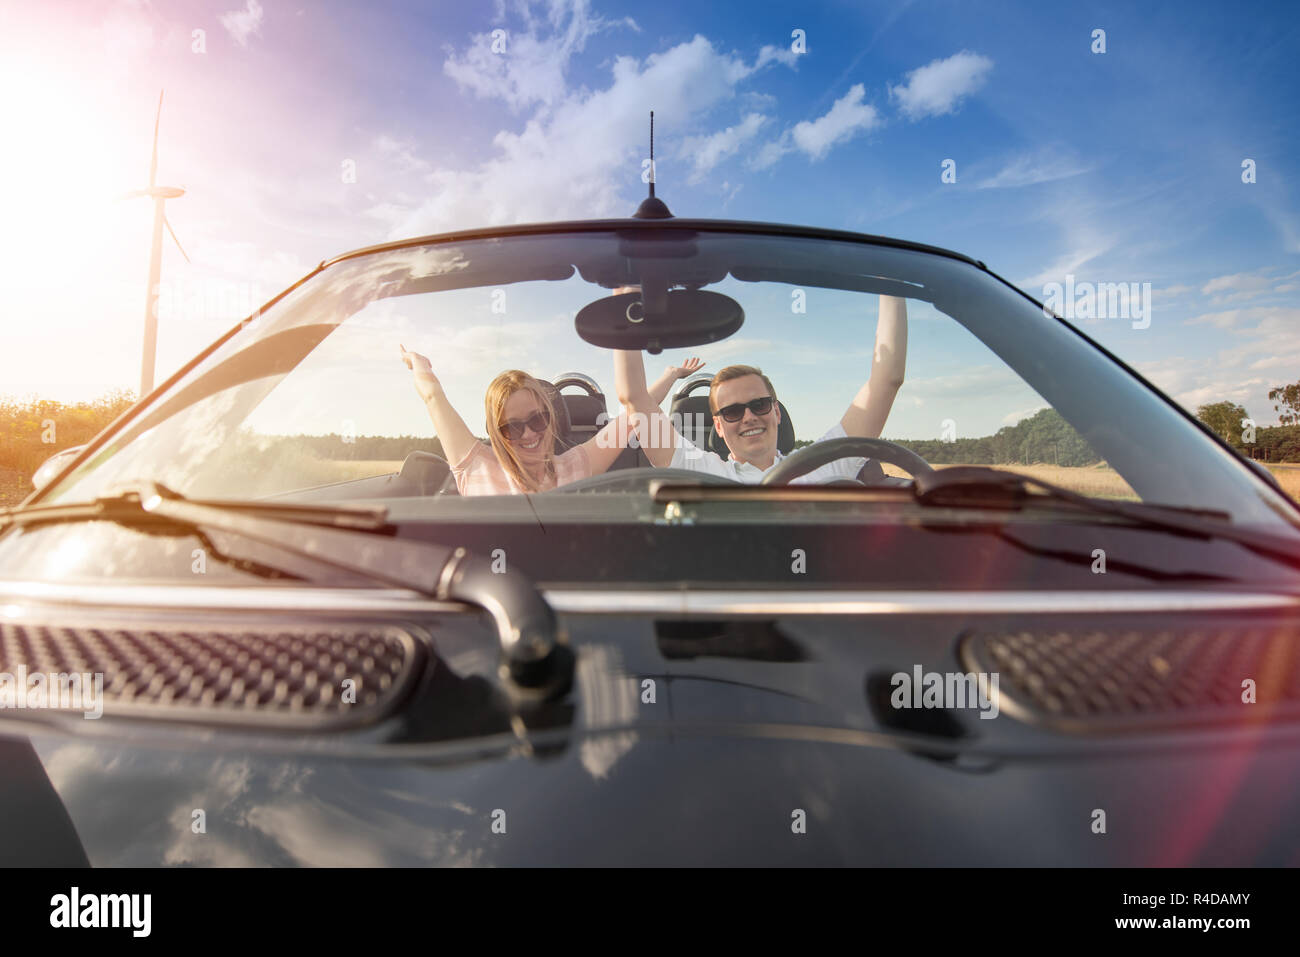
{"type": "Point", "coordinates": [457, 440]}
{"type": "Point", "coordinates": [659, 389]}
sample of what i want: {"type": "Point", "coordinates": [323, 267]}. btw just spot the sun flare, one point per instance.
{"type": "Point", "coordinates": [66, 163]}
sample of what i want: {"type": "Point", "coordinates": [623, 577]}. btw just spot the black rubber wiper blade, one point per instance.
{"type": "Point", "coordinates": [533, 655]}
{"type": "Point", "coordinates": [127, 502]}
{"type": "Point", "coordinates": [975, 486]}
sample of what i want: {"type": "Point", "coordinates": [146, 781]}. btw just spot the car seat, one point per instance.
{"type": "Point", "coordinates": [583, 412]}
{"type": "Point", "coordinates": [563, 440]}
{"type": "Point", "coordinates": [586, 414]}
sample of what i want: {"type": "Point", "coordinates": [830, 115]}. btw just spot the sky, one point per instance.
{"type": "Point", "coordinates": [303, 130]}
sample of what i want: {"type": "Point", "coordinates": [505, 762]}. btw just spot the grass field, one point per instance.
{"type": "Point", "coordinates": [1100, 481]}
{"type": "Point", "coordinates": [333, 471]}
{"type": "Point", "coordinates": [1106, 483]}
{"type": "Point", "coordinates": [1289, 476]}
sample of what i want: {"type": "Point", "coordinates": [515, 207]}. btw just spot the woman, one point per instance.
{"type": "Point", "coordinates": [521, 429]}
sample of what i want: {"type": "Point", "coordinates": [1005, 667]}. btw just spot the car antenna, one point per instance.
{"type": "Point", "coordinates": [652, 207]}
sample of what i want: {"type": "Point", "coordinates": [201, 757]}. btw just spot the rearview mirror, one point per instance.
{"type": "Point", "coordinates": [690, 317]}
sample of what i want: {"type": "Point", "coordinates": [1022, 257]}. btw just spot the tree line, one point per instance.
{"type": "Point", "coordinates": [34, 429]}
{"type": "Point", "coordinates": [1278, 443]}
{"type": "Point", "coordinates": [1042, 438]}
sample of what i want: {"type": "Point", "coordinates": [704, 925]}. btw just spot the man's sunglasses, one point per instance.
{"type": "Point", "coordinates": [736, 411]}
{"type": "Point", "coordinates": [538, 422]}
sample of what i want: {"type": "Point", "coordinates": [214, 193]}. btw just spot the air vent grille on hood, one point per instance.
{"type": "Point", "coordinates": [1091, 680]}
{"type": "Point", "coordinates": [294, 677]}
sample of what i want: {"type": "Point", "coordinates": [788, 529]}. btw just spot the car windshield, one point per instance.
{"type": "Point", "coordinates": [313, 398]}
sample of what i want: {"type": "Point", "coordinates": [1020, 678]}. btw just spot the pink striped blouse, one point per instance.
{"type": "Point", "coordinates": [479, 472]}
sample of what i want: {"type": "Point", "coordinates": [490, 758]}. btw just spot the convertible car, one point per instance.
{"type": "Point", "coordinates": [253, 622]}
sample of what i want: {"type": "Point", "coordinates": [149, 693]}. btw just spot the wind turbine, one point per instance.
{"type": "Point", "coordinates": [160, 195]}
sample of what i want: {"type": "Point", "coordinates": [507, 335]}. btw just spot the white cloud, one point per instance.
{"type": "Point", "coordinates": [752, 101]}
{"type": "Point", "coordinates": [245, 23]}
{"type": "Point", "coordinates": [1172, 292]}
{"type": "Point", "coordinates": [1034, 168]}
{"type": "Point", "coordinates": [1237, 282]}
{"type": "Point", "coordinates": [772, 152]}
{"type": "Point", "coordinates": [528, 66]}
{"type": "Point", "coordinates": [770, 54]}
{"type": "Point", "coordinates": [1173, 374]}
{"type": "Point", "coordinates": [938, 87]}
{"type": "Point", "coordinates": [845, 119]}
{"type": "Point", "coordinates": [1243, 392]}
{"type": "Point", "coordinates": [708, 151]}
{"type": "Point", "coordinates": [580, 156]}
{"type": "Point", "coordinates": [1065, 265]}
{"type": "Point", "coordinates": [1288, 362]}
{"type": "Point", "coordinates": [1262, 356]}
{"type": "Point", "coordinates": [1270, 320]}
{"type": "Point", "coordinates": [1196, 382]}
{"type": "Point", "coordinates": [978, 381]}
{"type": "Point", "coordinates": [1241, 286]}
{"type": "Point", "coordinates": [401, 154]}
{"type": "Point", "coordinates": [1011, 418]}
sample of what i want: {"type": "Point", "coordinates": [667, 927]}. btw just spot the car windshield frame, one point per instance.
{"type": "Point", "coordinates": [648, 245]}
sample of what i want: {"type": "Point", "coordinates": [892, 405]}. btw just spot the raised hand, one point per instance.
{"type": "Point", "coordinates": [426, 383]}
{"type": "Point", "coordinates": [457, 440]}
{"type": "Point", "coordinates": [688, 367]}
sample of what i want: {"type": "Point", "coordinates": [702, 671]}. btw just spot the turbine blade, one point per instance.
{"type": "Point", "coordinates": [168, 224]}
{"type": "Point", "coordinates": [153, 164]}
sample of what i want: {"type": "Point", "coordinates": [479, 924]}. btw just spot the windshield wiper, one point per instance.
{"type": "Point", "coordinates": [533, 654]}
{"type": "Point", "coordinates": [128, 502]}
{"type": "Point", "coordinates": [975, 486]}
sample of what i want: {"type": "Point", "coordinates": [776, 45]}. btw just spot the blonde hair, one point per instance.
{"type": "Point", "coordinates": [736, 372]}
{"type": "Point", "coordinates": [494, 402]}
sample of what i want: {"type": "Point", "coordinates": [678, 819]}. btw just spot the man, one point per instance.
{"type": "Point", "coordinates": [746, 413]}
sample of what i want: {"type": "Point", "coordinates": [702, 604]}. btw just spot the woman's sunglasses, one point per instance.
{"type": "Point", "coordinates": [736, 411]}
{"type": "Point", "coordinates": [538, 422]}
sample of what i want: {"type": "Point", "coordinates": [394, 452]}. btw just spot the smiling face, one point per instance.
{"type": "Point", "coordinates": [515, 396]}
{"type": "Point", "coordinates": [753, 438]}
{"type": "Point", "coordinates": [531, 447]}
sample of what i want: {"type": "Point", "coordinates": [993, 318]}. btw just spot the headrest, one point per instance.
{"type": "Point", "coordinates": [563, 426]}
{"type": "Point", "coordinates": [584, 410]}
{"type": "Point", "coordinates": [690, 416]}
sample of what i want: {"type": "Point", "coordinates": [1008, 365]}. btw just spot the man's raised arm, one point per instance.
{"type": "Point", "coordinates": [866, 416]}
{"type": "Point", "coordinates": [653, 428]}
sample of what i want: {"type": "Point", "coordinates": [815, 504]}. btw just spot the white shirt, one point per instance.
{"type": "Point", "coordinates": [690, 456]}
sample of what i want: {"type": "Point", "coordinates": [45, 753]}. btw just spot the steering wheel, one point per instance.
{"type": "Point", "coordinates": [821, 453]}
